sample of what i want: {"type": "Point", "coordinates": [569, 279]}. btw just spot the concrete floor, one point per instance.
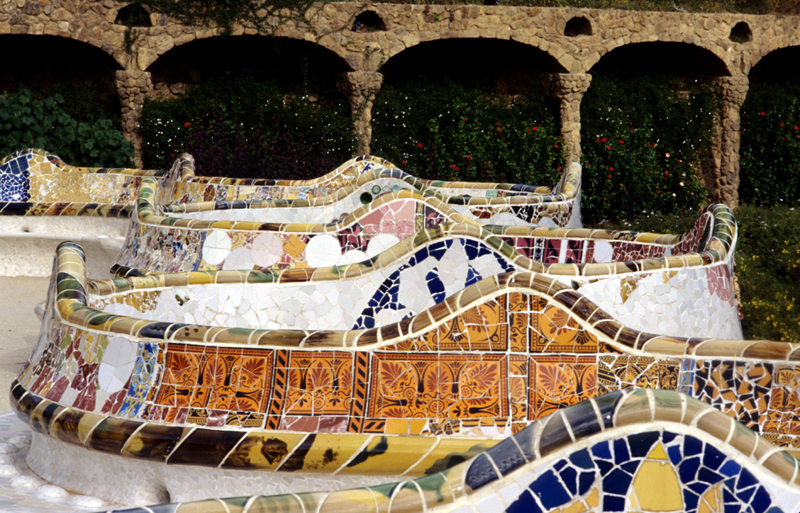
{"type": "Point", "coordinates": [19, 327]}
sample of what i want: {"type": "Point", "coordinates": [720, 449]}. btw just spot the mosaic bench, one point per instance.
{"type": "Point", "coordinates": [190, 188]}
{"type": "Point", "coordinates": [677, 285]}
{"type": "Point", "coordinates": [191, 406]}
{"type": "Point", "coordinates": [288, 203]}
{"type": "Point", "coordinates": [646, 451]}
{"type": "Point", "coordinates": [43, 199]}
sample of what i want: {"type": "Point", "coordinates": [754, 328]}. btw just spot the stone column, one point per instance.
{"type": "Point", "coordinates": [721, 175]}
{"type": "Point", "coordinates": [360, 87]}
{"type": "Point", "coordinates": [132, 87]}
{"type": "Point", "coordinates": [569, 88]}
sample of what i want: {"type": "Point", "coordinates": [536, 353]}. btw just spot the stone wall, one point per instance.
{"type": "Point", "coordinates": [575, 39]}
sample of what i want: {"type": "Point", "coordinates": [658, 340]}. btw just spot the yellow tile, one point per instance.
{"type": "Point", "coordinates": [396, 427]}
{"type": "Point", "coordinates": [711, 501]}
{"type": "Point", "coordinates": [389, 455]}
{"type": "Point", "coordinates": [416, 426]}
{"type": "Point", "coordinates": [657, 487]}
{"type": "Point", "coordinates": [578, 507]}
{"type": "Point", "coordinates": [593, 500]}
{"type": "Point", "coordinates": [658, 453]}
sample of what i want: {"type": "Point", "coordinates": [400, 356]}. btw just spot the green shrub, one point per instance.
{"type": "Point", "coordinates": [770, 149]}
{"type": "Point", "coordinates": [241, 125]}
{"type": "Point", "coordinates": [768, 270]}
{"type": "Point", "coordinates": [643, 141]}
{"type": "Point", "coordinates": [28, 122]}
{"type": "Point", "coordinates": [441, 129]}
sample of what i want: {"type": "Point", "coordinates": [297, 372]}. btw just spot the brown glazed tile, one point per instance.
{"type": "Point", "coordinates": [154, 442]}
{"type": "Point", "coordinates": [112, 434]}
{"type": "Point", "coordinates": [205, 447]}
{"type": "Point", "coordinates": [263, 450]}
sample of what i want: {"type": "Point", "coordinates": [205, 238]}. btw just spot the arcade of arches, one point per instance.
{"type": "Point", "coordinates": [356, 46]}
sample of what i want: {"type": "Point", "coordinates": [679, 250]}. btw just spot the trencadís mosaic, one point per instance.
{"type": "Point", "coordinates": [484, 363]}
{"type": "Point", "coordinates": [642, 452]}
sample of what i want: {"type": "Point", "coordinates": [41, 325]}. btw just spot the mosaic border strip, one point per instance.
{"type": "Point", "coordinates": [26, 166]}
{"type": "Point", "coordinates": [570, 189]}
{"type": "Point", "coordinates": [717, 249]}
{"type": "Point", "coordinates": [344, 173]}
{"type": "Point", "coordinates": [608, 418]}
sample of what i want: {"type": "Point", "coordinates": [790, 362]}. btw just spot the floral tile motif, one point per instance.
{"type": "Point", "coordinates": [440, 386]}
{"type": "Point", "coordinates": [198, 380]}
{"type": "Point", "coordinates": [319, 383]}
{"type": "Point", "coordinates": [553, 330]}
{"type": "Point", "coordinates": [556, 382]}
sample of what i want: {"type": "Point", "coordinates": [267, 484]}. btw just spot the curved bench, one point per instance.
{"type": "Point", "coordinates": [43, 200]}
{"type": "Point", "coordinates": [345, 408]}
{"type": "Point", "coordinates": [279, 200]}
{"type": "Point", "coordinates": [643, 451]}
{"type": "Point", "coordinates": [679, 285]}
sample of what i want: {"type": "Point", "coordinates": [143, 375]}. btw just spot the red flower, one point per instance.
{"type": "Point", "coordinates": [535, 128]}
{"type": "Point", "coordinates": [795, 127]}
{"type": "Point", "coordinates": [499, 129]}
{"type": "Point", "coordinates": [621, 141]}
{"type": "Point", "coordinates": [187, 124]}
{"type": "Point", "coordinates": [658, 192]}
{"type": "Point", "coordinates": [763, 113]}
{"type": "Point", "coordinates": [605, 139]}
{"type": "Point", "coordinates": [555, 146]}
{"type": "Point", "coordinates": [457, 168]}
{"type": "Point", "coordinates": [608, 147]}
{"type": "Point", "coordinates": [404, 162]}
{"type": "Point", "coordinates": [469, 156]}
{"type": "Point", "coordinates": [497, 124]}
{"type": "Point", "coordinates": [609, 176]}
{"type": "Point", "coordinates": [781, 124]}
{"type": "Point", "coordinates": [495, 134]}
{"type": "Point", "coordinates": [452, 166]}
{"type": "Point", "coordinates": [610, 168]}
{"type": "Point", "coordinates": [598, 140]}
{"type": "Point", "coordinates": [666, 173]}
{"type": "Point", "coordinates": [558, 169]}
{"type": "Point", "coordinates": [528, 130]}
{"type": "Point", "coordinates": [420, 145]}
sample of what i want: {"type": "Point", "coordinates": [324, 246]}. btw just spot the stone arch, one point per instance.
{"type": "Point", "coordinates": [662, 57]}
{"type": "Point", "coordinates": [777, 63]}
{"type": "Point", "coordinates": [500, 60]}
{"type": "Point", "coordinates": [289, 60]}
{"type": "Point", "coordinates": [666, 55]}
{"type": "Point", "coordinates": [553, 64]}
{"type": "Point", "coordinates": [44, 61]}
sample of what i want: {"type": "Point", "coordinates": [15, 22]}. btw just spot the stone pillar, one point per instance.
{"type": "Point", "coordinates": [360, 87]}
{"type": "Point", "coordinates": [569, 88]}
{"type": "Point", "coordinates": [721, 174]}
{"type": "Point", "coordinates": [132, 87]}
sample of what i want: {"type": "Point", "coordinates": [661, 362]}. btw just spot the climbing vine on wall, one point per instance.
{"type": "Point", "coordinates": [263, 15]}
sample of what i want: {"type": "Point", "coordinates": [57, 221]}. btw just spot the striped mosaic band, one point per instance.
{"type": "Point", "coordinates": [642, 419]}
{"type": "Point", "coordinates": [568, 194]}
{"type": "Point", "coordinates": [717, 246]}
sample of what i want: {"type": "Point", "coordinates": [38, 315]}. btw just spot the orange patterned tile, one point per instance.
{"type": "Point", "coordinates": [319, 383]}
{"type": "Point", "coordinates": [407, 385]}
{"type": "Point", "coordinates": [555, 330]}
{"type": "Point", "coordinates": [560, 381]}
